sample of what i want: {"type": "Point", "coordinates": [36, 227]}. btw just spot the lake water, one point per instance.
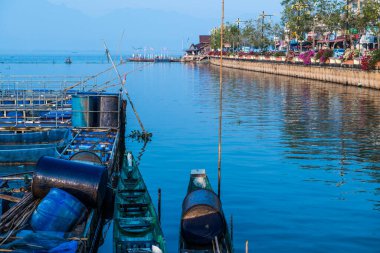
{"type": "Point", "coordinates": [301, 159]}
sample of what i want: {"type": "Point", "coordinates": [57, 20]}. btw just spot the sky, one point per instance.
{"type": "Point", "coordinates": [126, 25]}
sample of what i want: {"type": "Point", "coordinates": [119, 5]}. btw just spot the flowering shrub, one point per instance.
{"type": "Point", "coordinates": [350, 54]}
{"type": "Point", "coordinates": [253, 53]}
{"type": "Point", "coordinates": [290, 55]}
{"type": "Point", "coordinates": [365, 63]}
{"type": "Point", "coordinates": [216, 53]}
{"type": "Point", "coordinates": [268, 54]}
{"type": "Point", "coordinates": [375, 57]}
{"type": "Point", "coordinates": [324, 54]}
{"type": "Point", "coordinates": [306, 57]}
{"type": "Point", "coordinates": [369, 60]}
{"type": "Point", "coordinates": [279, 54]}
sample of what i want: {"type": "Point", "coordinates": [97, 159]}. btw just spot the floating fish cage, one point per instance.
{"type": "Point", "coordinates": [74, 136]}
{"type": "Point", "coordinates": [39, 100]}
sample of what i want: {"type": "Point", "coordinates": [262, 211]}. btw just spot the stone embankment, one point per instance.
{"type": "Point", "coordinates": [341, 75]}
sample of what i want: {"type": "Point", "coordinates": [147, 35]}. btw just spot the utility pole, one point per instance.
{"type": "Point", "coordinates": [263, 16]}
{"type": "Point", "coordinates": [238, 21]}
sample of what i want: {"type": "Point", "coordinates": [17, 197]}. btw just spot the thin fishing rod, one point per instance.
{"type": "Point", "coordinates": [220, 102]}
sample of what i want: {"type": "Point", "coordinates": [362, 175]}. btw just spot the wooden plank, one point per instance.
{"type": "Point", "coordinates": [10, 198]}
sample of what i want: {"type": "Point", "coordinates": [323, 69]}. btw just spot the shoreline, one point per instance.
{"type": "Point", "coordinates": [345, 76]}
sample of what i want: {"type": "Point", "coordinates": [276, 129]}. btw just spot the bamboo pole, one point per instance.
{"type": "Point", "coordinates": [122, 86]}
{"type": "Point", "coordinates": [220, 102]}
{"type": "Point", "coordinates": [10, 198]}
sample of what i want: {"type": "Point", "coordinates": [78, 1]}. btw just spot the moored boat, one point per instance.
{"type": "Point", "coordinates": [136, 224]}
{"type": "Point", "coordinates": [203, 226]}
{"type": "Point", "coordinates": [68, 60]}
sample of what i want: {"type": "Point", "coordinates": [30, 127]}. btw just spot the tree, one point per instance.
{"type": "Point", "coordinates": [370, 18]}
{"type": "Point", "coordinates": [330, 15]}
{"type": "Point", "coordinates": [215, 38]}
{"type": "Point", "coordinates": [231, 36]}
{"type": "Point", "coordinates": [297, 17]}
{"type": "Point", "coordinates": [278, 31]}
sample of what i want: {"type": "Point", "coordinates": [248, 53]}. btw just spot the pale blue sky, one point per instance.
{"type": "Point", "coordinates": [82, 25]}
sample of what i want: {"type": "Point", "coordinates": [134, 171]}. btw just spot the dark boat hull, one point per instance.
{"type": "Point", "coordinates": [203, 225]}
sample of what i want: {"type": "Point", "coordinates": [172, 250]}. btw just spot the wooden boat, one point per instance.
{"type": "Point", "coordinates": [68, 60]}
{"type": "Point", "coordinates": [136, 224]}
{"type": "Point", "coordinates": [203, 224]}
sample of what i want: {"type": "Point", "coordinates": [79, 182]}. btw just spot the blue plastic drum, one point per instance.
{"type": "Point", "coordinates": [58, 211]}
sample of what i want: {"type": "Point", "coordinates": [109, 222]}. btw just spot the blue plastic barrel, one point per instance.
{"type": "Point", "coordinates": [58, 211]}
{"type": "Point", "coordinates": [84, 110]}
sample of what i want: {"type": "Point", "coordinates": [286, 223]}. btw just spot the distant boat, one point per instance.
{"type": "Point", "coordinates": [140, 59]}
{"type": "Point", "coordinates": [68, 60]}
{"type": "Point", "coordinates": [158, 59]}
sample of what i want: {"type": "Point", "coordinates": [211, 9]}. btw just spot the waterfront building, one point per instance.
{"type": "Point", "coordinates": [203, 47]}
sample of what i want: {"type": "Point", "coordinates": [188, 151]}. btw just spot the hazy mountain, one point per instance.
{"type": "Point", "coordinates": [41, 26]}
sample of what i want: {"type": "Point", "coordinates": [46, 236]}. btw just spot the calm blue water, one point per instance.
{"type": "Point", "coordinates": [301, 159]}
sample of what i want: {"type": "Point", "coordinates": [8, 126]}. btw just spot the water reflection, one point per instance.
{"type": "Point", "coordinates": [322, 125]}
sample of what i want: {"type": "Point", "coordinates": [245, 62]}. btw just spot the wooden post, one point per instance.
{"type": "Point", "coordinates": [159, 205]}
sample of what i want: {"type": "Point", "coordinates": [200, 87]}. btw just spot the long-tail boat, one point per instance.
{"type": "Point", "coordinates": [203, 226]}
{"type": "Point", "coordinates": [136, 224]}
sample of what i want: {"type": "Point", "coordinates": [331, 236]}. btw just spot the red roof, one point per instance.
{"type": "Point", "coordinates": [204, 39]}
